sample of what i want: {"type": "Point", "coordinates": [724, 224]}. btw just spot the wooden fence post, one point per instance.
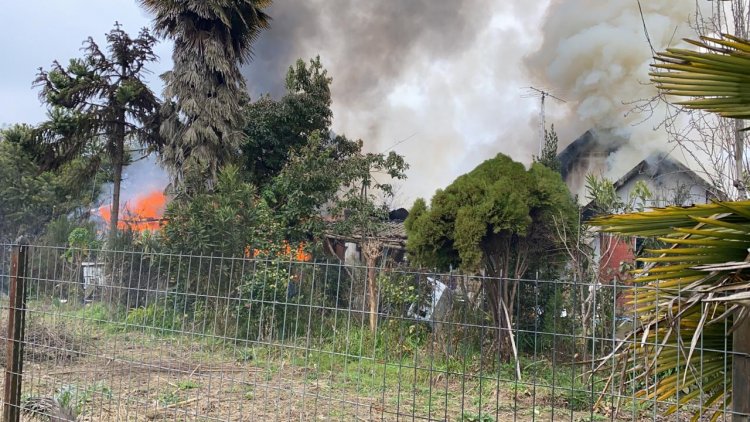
{"type": "Point", "coordinates": [741, 373]}
{"type": "Point", "coordinates": [16, 326]}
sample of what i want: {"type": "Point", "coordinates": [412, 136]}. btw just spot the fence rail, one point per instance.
{"type": "Point", "coordinates": [140, 335]}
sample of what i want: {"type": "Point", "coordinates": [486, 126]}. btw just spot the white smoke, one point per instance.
{"type": "Point", "coordinates": [143, 176]}
{"type": "Point", "coordinates": [595, 55]}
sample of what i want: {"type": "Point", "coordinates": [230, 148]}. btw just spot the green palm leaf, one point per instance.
{"type": "Point", "coordinates": [716, 78]}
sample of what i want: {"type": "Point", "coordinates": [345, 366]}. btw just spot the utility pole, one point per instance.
{"type": "Point", "coordinates": [542, 94]}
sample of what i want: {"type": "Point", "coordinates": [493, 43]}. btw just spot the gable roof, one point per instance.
{"type": "Point", "coordinates": [658, 165]}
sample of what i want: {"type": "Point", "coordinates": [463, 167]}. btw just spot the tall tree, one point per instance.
{"type": "Point", "coordinates": [497, 220]}
{"type": "Point", "coordinates": [31, 197]}
{"type": "Point", "coordinates": [101, 99]}
{"type": "Point", "coordinates": [548, 157]}
{"type": "Point", "coordinates": [205, 91]}
{"type": "Point", "coordinates": [276, 129]}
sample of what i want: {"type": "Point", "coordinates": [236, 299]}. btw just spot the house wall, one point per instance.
{"type": "Point", "coordinates": [614, 251]}
{"type": "Point", "coordinates": [665, 188]}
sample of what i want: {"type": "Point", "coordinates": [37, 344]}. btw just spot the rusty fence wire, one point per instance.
{"type": "Point", "coordinates": [138, 335]}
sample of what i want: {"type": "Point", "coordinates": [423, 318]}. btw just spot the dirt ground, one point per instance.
{"type": "Point", "coordinates": [110, 375]}
{"type": "Point", "coordinates": [136, 377]}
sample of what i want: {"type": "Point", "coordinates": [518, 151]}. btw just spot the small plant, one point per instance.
{"type": "Point", "coordinates": [167, 398]}
{"type": "Point", "coordinates": [473, 417]}
{"type": "Point", "coordinates": [75, 398]}
{"type": "Point", "coordinates": [245, 355]}
{"type": "Point", "coordinates": [160, 317]}
{"type": "Point", "coordinates": [269, 297]}
{"type": "Point", "coordinates": [187, 384]}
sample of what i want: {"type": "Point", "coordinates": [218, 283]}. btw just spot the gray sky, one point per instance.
{"type": "Point", "coordinates": [33, 33]}
{"type": "Point", "coordinates": [441, 82]}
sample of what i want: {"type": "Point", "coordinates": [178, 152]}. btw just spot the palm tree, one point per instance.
{"type": "Point", "coordinates": [692, 299]}
{"type": "Point", "coordinates": [205, 91]}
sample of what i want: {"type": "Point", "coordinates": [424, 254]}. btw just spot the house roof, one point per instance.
{"type": "Point", "coordinates": [658, 165]}
{"type": "Point", "coordinates": [392, 235]}
{"type": "Point", "coordinates": [592, 142]}
{"type": "Point", "coordinates": [654, 166]}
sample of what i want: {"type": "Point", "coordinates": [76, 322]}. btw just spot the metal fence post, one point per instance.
{"type": "Point", "coordinates": [741, 373]}
{"type": "Point", "coordinates": [16, 326]}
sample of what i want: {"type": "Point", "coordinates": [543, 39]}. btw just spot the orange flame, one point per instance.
{"type": "Point", "coordinates": [300, 254]}
{"type": "Point", "coordinates": [145, 214]}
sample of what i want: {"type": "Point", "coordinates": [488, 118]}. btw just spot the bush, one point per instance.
{"type": "Point", "coordinates": [161, 317]}
{"type": "Point", "coordinates": [268, 299]}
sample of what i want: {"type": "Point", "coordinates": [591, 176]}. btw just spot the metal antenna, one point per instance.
{"type": "Point", "coordinates": [542, 94]}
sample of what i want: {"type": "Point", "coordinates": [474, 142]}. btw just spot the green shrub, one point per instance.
{"type": "Point", "coordinates": [267, 308]}
{"type": "Point", "coordinates": [158, 316]}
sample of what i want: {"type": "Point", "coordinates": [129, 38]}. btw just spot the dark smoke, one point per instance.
{"type": "Point", "coordinates": [365, 44]}
{"type": "Point", "coordinates": [444, 75]}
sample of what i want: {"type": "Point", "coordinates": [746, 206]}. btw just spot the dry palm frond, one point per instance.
{"type": "Point", "coordinates": [687, 296]}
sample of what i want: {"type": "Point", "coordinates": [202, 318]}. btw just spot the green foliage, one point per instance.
{"type": "Point", "coordinates": [496, 212]}
{"type": "Point", "coordinates": [398, 291]}
{"type": "Point", "coordinates": [548, 157]}
{"type": "Point", "coordinates": [159, 317]}
{"type": "Point", "coordinates": [475, 417]}
{"type": "Point", "coordinates": [98, 104]}
{"type": "Point", "coordinates": [32, 197]}
{"type": "Point", "coordinates": [226, 221]}
{"type": "Point", "coordinates": [605, 200]}
{"type": "Point", "coordinates": [81, 241]}
{"type": "Point", "coordinates": [301, 168]}
{"type": "Point", "coordinates": [363, 198]}
{"type": "Point", "coordinates": [267, 301]}
{"type": "Point", "coordinates": [499, 220]}
{"type": "Point", "coordinates": [75, 398]}
{"type": "Point", "coordinates": [277, 129]}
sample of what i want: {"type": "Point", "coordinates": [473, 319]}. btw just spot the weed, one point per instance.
{"type": "Point", "coordinates": [167, 398]}
{"type": "Point", "coordinates": [71, 396]}
{"type": "Point", "coordinates": [187, 384]}
{"type": "Point", "coordinates": [472, 417]}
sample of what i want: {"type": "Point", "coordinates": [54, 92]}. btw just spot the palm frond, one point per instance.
{"type": "Point", "coordinates": [685, 304]}
{"type": "Point", "coordinates": [716, 76]}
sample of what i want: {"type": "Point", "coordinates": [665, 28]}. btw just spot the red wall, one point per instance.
{"type": "Point", "coordinates": [614, 251]}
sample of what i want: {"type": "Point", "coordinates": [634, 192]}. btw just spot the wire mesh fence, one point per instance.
{"type": "Point", "coordinates": [139, 335]}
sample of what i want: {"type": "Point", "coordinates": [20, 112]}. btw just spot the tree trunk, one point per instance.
{"type": "Point", "coordinates": [117, 163]}
{"type": "Point", "coordinates": [372, 293]}
{"type": "Point", "coordinates": [500, 303]}
{"type": "Point", "coordinates": [371, 252]}
{"type": "Point", "coordinates": [115, 211]}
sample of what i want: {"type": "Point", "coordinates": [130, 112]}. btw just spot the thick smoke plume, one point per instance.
{"type": "Point", "coordinates": [595, 55]}
{"type": "Point", "coordinates": [438, 81]}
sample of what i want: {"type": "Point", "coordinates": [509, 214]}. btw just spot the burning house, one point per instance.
{"type": "Point", "coordinates": [595, 152]}
{"type": "Point", "coordinates": [144, 212]}
{"type": "Point", "coordinates": [392, 237]}
{"type": "Point", "coordinates": [669, 181]}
